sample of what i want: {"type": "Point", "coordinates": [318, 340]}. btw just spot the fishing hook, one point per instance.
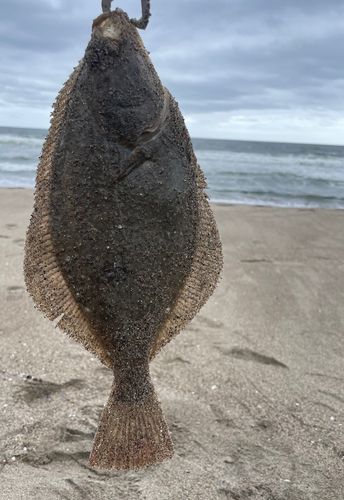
{"type": "Point", "coordinates": [139, 23]}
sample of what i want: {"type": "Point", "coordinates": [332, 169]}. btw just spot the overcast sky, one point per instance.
{"type": "Point", "coordinates": [261, 70]}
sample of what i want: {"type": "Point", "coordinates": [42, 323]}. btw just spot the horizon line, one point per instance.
{"type": "Point", "coordinates": [213, 139]}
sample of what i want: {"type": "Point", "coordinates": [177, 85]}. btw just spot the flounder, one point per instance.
{"type": "Point", "coordinates": [122, 247]}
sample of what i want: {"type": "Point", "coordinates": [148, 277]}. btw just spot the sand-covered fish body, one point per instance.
{"type": "Point", "coordinates": [122, 240]}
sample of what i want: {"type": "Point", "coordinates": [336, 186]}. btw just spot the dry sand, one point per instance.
{"type": "Point", "coordinates": [252, 390]}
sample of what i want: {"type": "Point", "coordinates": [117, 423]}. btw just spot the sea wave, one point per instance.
{"type": "Point", "coordinates": [18, 179]}
{"type": "Point", "coordinates": [19, 139]}
{"type": "Point", "coordinates": [24, 166]}
{"type": "Point", "coordinates": [238, 172]}
{"type": "Point", "coordinates": [262, 202]}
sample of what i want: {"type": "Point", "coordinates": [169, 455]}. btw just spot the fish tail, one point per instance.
{"type": "Point", "coordinates": [131, 436]}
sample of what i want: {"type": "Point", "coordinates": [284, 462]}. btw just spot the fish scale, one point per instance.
{"type": "Point", "coordinates": [122, 241]}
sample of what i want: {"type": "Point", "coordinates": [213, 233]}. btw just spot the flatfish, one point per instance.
{"type": "Point", "coordinates": [122, 247]}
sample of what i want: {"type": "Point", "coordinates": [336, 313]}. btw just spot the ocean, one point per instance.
{"type": "Point", "coordinates": [238, 172]}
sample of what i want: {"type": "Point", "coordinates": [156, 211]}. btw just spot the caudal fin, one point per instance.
{"type": "Point", "coordinates": [131, 436]}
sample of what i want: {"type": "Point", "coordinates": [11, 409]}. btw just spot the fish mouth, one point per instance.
{"type": "Point", "coordinates": [111, 27]}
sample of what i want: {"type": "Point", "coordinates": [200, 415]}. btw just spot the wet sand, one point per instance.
{"type": "Point", "coordinates": [252, 389]}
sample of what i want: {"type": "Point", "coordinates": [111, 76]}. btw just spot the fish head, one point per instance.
{"type": "Point", "coordinates": [119, 83]}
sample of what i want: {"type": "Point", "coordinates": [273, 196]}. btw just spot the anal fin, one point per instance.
{"type": "Point", "coordinates": [205, 272]}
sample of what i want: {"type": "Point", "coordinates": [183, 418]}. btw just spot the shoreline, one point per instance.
{"type": "Point", "coordinates": [46, 131]}
{"type": "Point", "coordinates": [252, 389]}
{"type": "Point", "coordinates": [218, 203]}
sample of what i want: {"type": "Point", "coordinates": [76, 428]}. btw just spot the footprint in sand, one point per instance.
{"type": "Point", "coordinates": [211, 323]}
{"type": "Point", "coordinates": [73, 435]}
{"type": "Point", "coordinates": [34, 389]}
{"type": "Point", "coordinates": [11, 226]}
{"type": "Point", "coordinates": [177, 359]}
{"type": "Point", "coordinates": [14, 293]}
{"type": "Point", "coordinates": [248, 355]}
{"type": "Point", "coordinates": [19, 242]}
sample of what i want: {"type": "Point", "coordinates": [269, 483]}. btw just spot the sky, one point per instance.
{"type": "Point", "coordinates": [261, 70]}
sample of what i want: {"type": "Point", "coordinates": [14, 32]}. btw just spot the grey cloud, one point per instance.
{"type": "Point", "coordinates": [297, 61]}
{"type": "Point", "coordinates": [213, 56]}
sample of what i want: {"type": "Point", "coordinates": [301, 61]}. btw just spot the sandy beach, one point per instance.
{"type": "Point", "coordinates": [252, 389]}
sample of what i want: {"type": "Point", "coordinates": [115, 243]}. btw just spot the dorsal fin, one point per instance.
{"type": "Point", "coordinates": [43, 278]}
{"type": "Point", "coordinates": [205, 270]}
